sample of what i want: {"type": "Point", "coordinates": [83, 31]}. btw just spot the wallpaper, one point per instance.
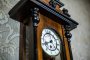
{"type": "Point", "coordinates": [9, 32]}
{"type": "Point", "coordinates": [80, 41]}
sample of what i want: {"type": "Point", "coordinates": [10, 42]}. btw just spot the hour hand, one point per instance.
{"type": "Point", "coordinates": [45, 43]}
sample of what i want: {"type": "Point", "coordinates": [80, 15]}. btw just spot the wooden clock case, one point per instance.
{"type": "Point", "coordinates": [34, 16]}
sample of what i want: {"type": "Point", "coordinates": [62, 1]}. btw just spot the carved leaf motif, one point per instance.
{"type": "Point", "coordinates": [8, 36]}
{"type": "Point", "coordinates": [9, 3]}
{"type": "Point", "coordinates": [3, 17]}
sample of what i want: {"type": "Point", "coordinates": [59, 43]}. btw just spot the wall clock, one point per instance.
{"type": "Point", "coordinates": [37, 15]}
{"type": "Point", "coordinates": [50, 42]}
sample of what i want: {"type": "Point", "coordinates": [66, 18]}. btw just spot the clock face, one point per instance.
{"type": "Point", "coordinates": [50, 42]}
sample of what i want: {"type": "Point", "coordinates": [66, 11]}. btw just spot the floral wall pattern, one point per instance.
{"type": "Point", "coordinates": [80, 41]}
{"type": "Point", "coordinates": [9, 32]}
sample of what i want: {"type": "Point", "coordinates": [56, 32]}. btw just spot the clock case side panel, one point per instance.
{"type": "Point", "coordinates": [22, 42]}
{"type": "Point", "coordinates": [27, 50]}
{"type": "Point", "coordinates": [31, 37]}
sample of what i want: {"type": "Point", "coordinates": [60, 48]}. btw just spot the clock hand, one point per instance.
{"type": "Point", "coordinates": [52, 43]}
{"type": "Point", "coordinates": [45, 43]}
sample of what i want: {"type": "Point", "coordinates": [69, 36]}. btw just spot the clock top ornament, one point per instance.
{"type": "Point", "coordinates": [46, 7]}
{"type": "Point", "coordinates": [53, 3]}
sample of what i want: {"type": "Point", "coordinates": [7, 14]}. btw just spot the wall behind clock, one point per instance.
{"type": "Point", "coordinates": [9, 30]}
{"type": "Point", "coordinates": [80, 11]}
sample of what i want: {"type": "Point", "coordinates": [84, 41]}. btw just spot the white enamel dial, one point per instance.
{"type": "Point", "coordinates": [50, 42]}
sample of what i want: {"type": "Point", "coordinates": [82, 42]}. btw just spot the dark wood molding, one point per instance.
{"type": "Point", "coordinates": [22, 9]}
{"type": "Point", "coordinates": [30, 38]}
{"type": "Point", "coordinates": [22, 42]}
{"type": "Point", "coordinates": [31, 33]}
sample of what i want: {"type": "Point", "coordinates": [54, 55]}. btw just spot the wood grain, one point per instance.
{"type": "Point", "coordinates": [45, 23]}
{"type": "Point", "coordinates": [22, 42]}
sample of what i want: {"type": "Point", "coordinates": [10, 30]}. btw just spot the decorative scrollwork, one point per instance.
{"type": "Point", "coordinates": [3, 18]}
{"type": "Point", "coordinates": [67, 32]}
{"type": "Point", "coordinates": [53, 3]}
{"type": "Point", "coordinates": [65, 11]}
{"type": "Point", "coordinates": [9, 3]}
{"type": "Point", "coordinates": [8, 35]}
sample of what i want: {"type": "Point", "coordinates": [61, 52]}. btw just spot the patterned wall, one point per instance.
{"type": "Point", "coordinates": [9, 32]}
{"type": "Point", "coordinates": [80, 11]}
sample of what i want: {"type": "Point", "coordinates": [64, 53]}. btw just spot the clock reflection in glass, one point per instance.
{"type": "Point", "coordinates": [50, 42]}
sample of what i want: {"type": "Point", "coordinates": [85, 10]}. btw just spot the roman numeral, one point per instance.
{"type": "Point", "coordinates": [58, 44]}
{"type": "Point", "coordinates": [57, 49]}
{"type": "Point", "coordinates": [43, 43]}
{"type": "Point", "coordinates": [47, 31]}
{"type": "Point", "coordinates": [51, 52]}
